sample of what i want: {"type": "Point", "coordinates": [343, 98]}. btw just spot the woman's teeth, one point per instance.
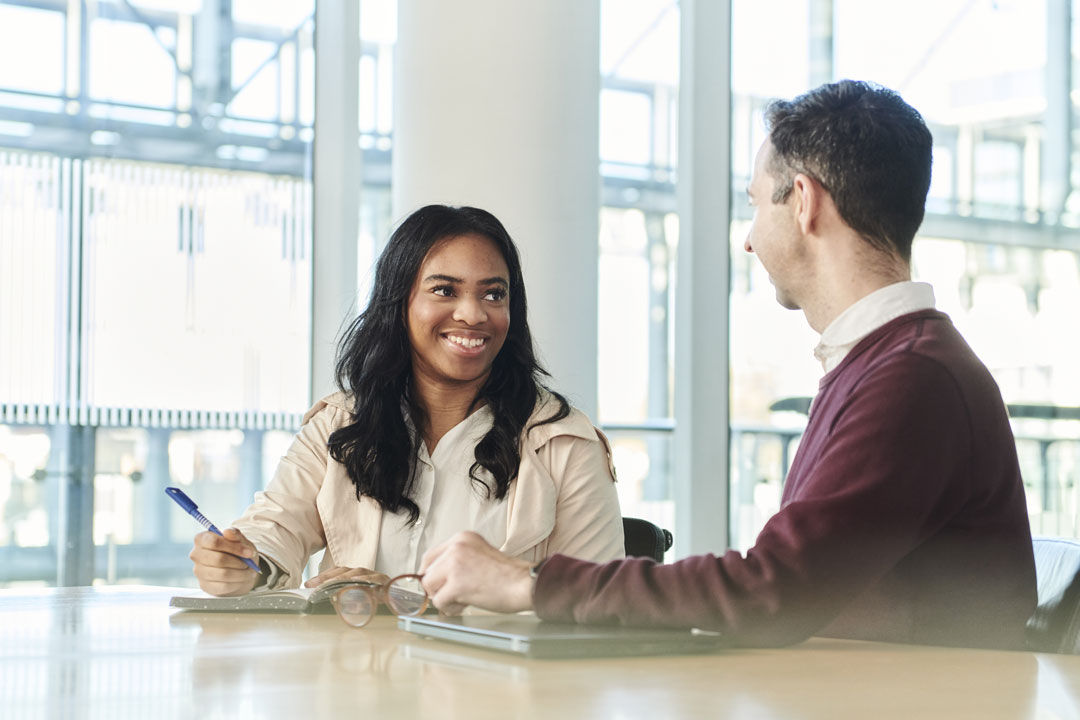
{"type": "Point", "coordinates": [465, 342]}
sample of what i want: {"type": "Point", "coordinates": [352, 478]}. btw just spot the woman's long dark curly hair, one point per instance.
{"type": "Point", "coordinates": [374, 365]}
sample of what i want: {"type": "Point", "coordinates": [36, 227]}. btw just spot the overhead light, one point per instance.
{"type": "Point", "coordinates": [104, 137]}
{"type": "Point", "coordinates": [16, 129]}
{"type": "Point", "coordinates": [245, 153]}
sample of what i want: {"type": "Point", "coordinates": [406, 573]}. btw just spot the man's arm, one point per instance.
{"type": "Point", "coordinates": [466, 570]}
{"type": "Point", "coordinates": [890, 474]}
{"type": "Point", "coordinates": [881, 485]}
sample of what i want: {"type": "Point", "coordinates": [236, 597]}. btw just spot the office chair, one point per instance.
{"type": "Point", "coordinates": [643, 539]}
{"type": "Point", "coordinates": [1055, 625]}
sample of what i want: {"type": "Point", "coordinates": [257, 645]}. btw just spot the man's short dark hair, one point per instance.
{"type": "Point", "coordinates": [867, 147]}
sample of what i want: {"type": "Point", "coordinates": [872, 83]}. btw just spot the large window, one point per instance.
{"type": "Point", "coordinates": [999, 243]}
{"type": "Point", "coordinates": [155, 282]}
{"type": "Point", "coordinates": [639, 49]}
{"type": "Point", "coordinates": [156, 248]}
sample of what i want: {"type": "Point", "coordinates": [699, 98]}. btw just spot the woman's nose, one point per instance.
{"type": "Point", "coordinates": [470, 310]}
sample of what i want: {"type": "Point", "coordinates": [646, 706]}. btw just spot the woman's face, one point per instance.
{"type": "Point", "coordinates": [459, 311]}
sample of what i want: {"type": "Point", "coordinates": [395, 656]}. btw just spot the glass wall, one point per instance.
{"type": "Point", "coordinates": [155, 248]}
{"type": "Point", "coordinates": [155, 273]}
{"type": "Point", "coordinates": [999, 243]}
{"type": "Point", "coordinates": [639, 64]}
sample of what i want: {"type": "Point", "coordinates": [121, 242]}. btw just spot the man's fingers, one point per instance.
{"type": "Point", "coordinates": [451, 609]}
{"type": "Point", "coordinates": [432, 555]}
{"type": "Point", "coordinates": [445, 602]}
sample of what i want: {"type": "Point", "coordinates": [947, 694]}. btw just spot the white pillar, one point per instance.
{"type": "Point", "coordinates": [336, 169]}
{"type": "Point", "coordinates": [703, 289]}
{"type": "Point", "coordinates": [496, 105]}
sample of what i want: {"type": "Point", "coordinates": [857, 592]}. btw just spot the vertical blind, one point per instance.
{"type": "Point", "coordinates": [148, 294]}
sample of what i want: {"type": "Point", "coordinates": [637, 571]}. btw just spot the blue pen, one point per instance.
{"type": "Point", "coordinates": [193, 510]}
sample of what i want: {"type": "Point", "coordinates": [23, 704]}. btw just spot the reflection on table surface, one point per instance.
{"type": "Point", "coordinates": [121, 652]}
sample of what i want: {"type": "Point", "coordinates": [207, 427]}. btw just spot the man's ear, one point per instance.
{"type": "Point", "coordinates": [808, 196]}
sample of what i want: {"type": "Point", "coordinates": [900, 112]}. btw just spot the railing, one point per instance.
{"type": "Point", "coordinates": [760, 457]}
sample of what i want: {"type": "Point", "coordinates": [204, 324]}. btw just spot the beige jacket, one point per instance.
{"type": "Point", "coordinates": [562, 501]}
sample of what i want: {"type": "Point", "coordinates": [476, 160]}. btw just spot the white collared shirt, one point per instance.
{"type": "Point", "coordinates": [448, 499]}
{"type": "Point", "coordinates": [867, 315]}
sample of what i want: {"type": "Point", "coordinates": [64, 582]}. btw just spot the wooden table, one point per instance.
{"type": "Point", "coordinates": [117, 652]}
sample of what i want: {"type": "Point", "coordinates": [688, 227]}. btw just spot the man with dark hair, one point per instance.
{"type": "Point", "coordinates": [903, 516]}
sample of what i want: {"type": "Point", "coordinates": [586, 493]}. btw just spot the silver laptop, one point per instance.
{"type": "Point", "coordinates": [529, 636]}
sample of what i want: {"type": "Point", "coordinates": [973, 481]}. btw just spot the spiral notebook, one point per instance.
{"type": "Point", "coordinates": [529, 636]}
{"type": "Point", "coordinates": [295, 600]}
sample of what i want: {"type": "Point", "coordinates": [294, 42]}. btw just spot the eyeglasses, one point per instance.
{"type": "Point", "coordinates": [356, 604]}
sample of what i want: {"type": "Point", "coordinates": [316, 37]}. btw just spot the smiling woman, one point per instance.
{"type": "Point", "coordinates": [459, 312]}
{"type": "Point", "coordinates": [442, 424]}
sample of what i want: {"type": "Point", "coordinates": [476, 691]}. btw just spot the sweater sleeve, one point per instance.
{"type": "Point", "coordinates": [889, 474]}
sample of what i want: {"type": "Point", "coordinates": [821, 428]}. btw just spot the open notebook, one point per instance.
{"type": "Point", "coordinates": [295, 600]}
{"type": "Point", "coordinates": [529, 636]}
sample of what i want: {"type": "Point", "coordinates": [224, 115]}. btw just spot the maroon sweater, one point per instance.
{"type": "Point", "coordinates": [903, 519]}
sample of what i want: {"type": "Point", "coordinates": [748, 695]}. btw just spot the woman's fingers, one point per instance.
{"type": "Point", "coordinates": [218, 566]}
{"type": "Point", "coordinates": [346, 573]}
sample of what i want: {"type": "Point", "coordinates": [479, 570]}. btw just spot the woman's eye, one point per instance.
{"type": "Point", "coordinates": [495, 295]}
{"type": "Point", "coordinates": [443, 291]}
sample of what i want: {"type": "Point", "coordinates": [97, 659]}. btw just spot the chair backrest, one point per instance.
{"type": "Point", "coordinates": [643, 539]}
{"type": "Point", "coordinates": [1055, 625]}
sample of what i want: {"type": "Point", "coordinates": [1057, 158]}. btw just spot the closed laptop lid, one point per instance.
{"type": "Point", "coordinates": [529, 636]}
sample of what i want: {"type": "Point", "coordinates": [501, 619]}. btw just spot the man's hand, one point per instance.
{"type": "Point", "coordinates": [218, 566]}
{"type": "Point", "coordinates": [465, 570]}
{"type": "Point", "coordinates": [347, 573]}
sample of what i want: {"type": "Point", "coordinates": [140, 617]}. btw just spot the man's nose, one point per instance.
{"type": "Point", "coordinates": [746, 244]}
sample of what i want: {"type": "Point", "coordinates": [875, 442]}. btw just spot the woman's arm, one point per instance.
{"type": "Point", "coordinates": [284, 522]}
{"type": "Point", "coordinates": [588, 522]}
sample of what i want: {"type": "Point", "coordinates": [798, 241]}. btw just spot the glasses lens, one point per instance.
{"type": "Point", "coordinates": [406, 596]}
{"type": "Point", "coordinates": [356, 605]}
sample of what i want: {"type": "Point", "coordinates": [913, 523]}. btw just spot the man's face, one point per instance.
{"type": "Point", "coordinates": [774, 235]}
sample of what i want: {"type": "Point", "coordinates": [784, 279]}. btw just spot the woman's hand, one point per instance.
{"type": "Point", "coordinates": [347, 573]}
{"type": "Point", "coordinates": [218, 566]}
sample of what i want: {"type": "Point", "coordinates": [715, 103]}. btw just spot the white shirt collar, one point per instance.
{"type": "Point", "coordinates": [867, 315]}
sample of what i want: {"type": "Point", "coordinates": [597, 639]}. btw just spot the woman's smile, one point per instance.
{"type": "Point", "coordinates": [459, 310]}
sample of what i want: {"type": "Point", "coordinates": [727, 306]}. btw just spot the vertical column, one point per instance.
{"type": "Point", "coordinates": [1057, 146]}
{"type": "Point", "coordinates": [497, 105]}
{"type": "Point", "coordinates": [704, 284]}
{"type": "Point", "coordinates": [821, 24]}
{"type": "Point", "coordinates": [656, 483]}
{"type": "Point", "coordinates": [71, 459]}
{"type": "Point", "coordinates": [210, 70]}
{"type": "Point", "coordinates": [251, 467]}
{"type": "Point", "coordinates": [337, 176]}
{"type": "Point", "coordinates": [156, 477]}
